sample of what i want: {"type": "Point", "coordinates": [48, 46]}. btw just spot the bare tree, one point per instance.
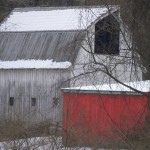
{"type": "Point", "coordinates": [136, 15]}
{"type": "Point", "coordinates": [134, 25]}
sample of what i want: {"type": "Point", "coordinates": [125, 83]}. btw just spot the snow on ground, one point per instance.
{"type": "Point", "coordinates": [40, 19]}
{"type": "Point", "coordinates": [34, 64]}
{"type": "Point", "coordinates": [35, 143]}
{"type": "Point", "coordinates": [143, 86]}
{"type": "Point", "coordinates": [40, 143]}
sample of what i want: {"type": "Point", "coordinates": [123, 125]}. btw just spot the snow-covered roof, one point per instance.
{"type": "Point", "coordinates": [59, 18]}
{"type": "Point", "coordinates": [34, 64]}
{"type": "Point", "coordinates": [143, 86]}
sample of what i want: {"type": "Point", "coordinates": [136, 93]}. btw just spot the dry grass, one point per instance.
{"type": "Point", "coordinates": [13, 131]}
{"type": "Point", "coordinates": [10, 130]}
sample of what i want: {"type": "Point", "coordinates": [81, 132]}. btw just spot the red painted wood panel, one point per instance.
{"type": "Point", "coordinates": [91, 117]}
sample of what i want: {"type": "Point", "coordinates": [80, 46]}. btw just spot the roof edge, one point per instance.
{"type": "Point", "coordinates": [61, 7]}
{"type": "Point", "coordinates": [79, 30]}
{"type": "Point", "coordinates": [100, 92]}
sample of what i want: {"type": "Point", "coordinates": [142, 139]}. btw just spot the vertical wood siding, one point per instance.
{"type": "Point", "coordinates": [25, 84]}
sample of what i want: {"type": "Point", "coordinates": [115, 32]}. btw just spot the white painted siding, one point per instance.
{"type": "Point", "coordinates": [123, 67]}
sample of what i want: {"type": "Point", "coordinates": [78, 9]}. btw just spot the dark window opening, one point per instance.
{"type": "Point", "coordinates": [107, 36]}
{"type": "Point", "coordinates": [55, 101]}
{"type": "Point", "coordinates": [33, 102]}
{"type": "Point", "coordinates": [11, 101]}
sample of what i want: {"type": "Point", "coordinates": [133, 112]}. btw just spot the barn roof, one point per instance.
{"type": "Point", "coordinates": [34, 64]}
{"type": "Point", "coordinates": [59, 46]}
{"type": "Point", "coordinates": [54, 33]}
{"type": "Point", "coordinates": [52, 18]}
{"type": "Point", "coordinates": [143, 86]}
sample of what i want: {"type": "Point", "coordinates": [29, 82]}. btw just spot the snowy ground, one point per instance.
{"type": "Point", "coordinates": [39, 143]}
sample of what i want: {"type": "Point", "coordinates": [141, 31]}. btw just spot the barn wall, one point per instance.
{"type": "Point", "coordinates": [25, 84]}
{"type": "Point", "coordinates": [124, 66]}
{"type": "Point", "coordinates": [92, 118]}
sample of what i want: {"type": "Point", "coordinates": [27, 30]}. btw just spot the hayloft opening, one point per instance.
{"type": "Point", "coordinates": [11, 101]}
{"type": "Point", "coordinates": [107, 36]}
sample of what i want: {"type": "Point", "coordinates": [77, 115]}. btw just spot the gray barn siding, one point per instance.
{"type": "Point", "coordinates": [24, 84]}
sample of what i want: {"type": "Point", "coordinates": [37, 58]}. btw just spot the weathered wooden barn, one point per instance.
{"type": "Point", "coordinates": [94, 115]}
{"type": "Point", "coordinates": [45, 49]}
{"type": "Point", "coordinates": [30, 90]}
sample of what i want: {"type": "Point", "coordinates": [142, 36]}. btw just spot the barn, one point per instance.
{"type": "Point", "coordinates": [94, 115]}
{"type": "Point", "coordinates": [44, 49]}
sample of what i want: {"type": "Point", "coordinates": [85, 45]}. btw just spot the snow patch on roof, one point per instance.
{"type": "Point", "coordinates": [143, 86]}
{"type": "Point", "coordinates": [51, 19]}
{"type": "Point", "coordinates": [34, 64]}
